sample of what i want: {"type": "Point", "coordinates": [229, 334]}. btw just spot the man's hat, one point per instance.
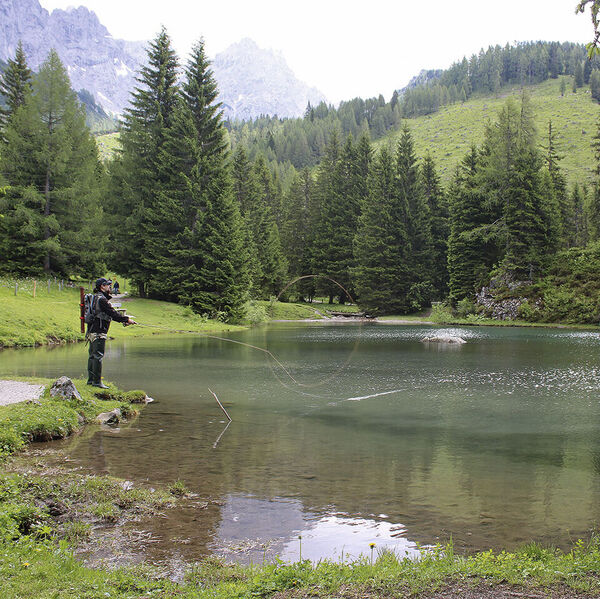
{"type": "Point", "coordinates": [102, 281]}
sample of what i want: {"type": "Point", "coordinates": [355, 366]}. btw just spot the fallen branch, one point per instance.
{"type": "Point", "coordinates": [220, 405]}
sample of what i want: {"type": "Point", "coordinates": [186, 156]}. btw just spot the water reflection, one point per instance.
{"type": "Point", "coordinates": [496, 443]}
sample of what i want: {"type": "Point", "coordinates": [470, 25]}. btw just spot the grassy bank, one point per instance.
{"type": "Point", "coordinates": [50, 313]}
{"type": "Point", "coordinates": [50, 418]}
{"type": "Point", "coordinates": [41, 569]}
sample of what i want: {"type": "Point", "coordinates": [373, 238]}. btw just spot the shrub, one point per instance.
{"type": "Point", "coordinates": [441, 313]}
{"type": "Point", "coordinates": [465, 307]}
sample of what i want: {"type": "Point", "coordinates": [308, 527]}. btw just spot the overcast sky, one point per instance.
{"type": "Point", "coordinates": [346, 48]}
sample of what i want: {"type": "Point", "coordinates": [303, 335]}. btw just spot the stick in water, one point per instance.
{"type": "Point", "coordinates": [220, 404]}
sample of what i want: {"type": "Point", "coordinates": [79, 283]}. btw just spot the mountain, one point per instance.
{"type": "Point", "coordinates": [254, 81]}
{"type": "Point", "coordinates": [424, 77]}
{"type": "Point", "coordinates": [94, 59]}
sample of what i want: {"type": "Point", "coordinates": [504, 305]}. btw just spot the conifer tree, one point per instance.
{"type": "Point", "coordinates": [327, 189]}
{"type": "Point", "coordinates": [410, 194]}
{"type": "Point", "coordinates": [342, 185]}
{"type": "Point", "coordinates": [560, 213]}
{"type": "Point", "coordinates": [144, 134]}
{"type": "Point", "coordinates": [261, 221]}
{"type": "Point", "coordinates": [512, 180]}
{"type": "Point", "coordinates": [15, 84]}
{"type": "Point", "coordinates": [382, 275]}
{"type": "Point", "coordinates": [50, 161]}
{"type": "Point", "coordinates": [469, 254]}
{"type": "Point", "coordinates": [438, 210]}
{"type": "Point", "coordinates": [295, 233]}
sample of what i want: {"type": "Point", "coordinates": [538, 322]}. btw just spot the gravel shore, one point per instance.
{"type": "Point", "coordinates": [16, 391]}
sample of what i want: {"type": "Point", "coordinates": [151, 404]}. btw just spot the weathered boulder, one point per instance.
{"type": "Point", "coordinates": [64, 388]}
{"type": "Point", "coordinates": [112, 417]}
{"type": "Point", "coordinates": [453, 339]}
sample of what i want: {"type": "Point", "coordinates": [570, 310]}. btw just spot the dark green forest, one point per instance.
{"type": "Point", "coordinates": [212, 214]}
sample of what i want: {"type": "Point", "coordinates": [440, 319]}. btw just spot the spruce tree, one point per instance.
{"type": "Point", "coordinates": [438, 210]}
{"type": "Point", "coordinates": [137, 206]}
{"type": "Point", "coordinates": [410, 194]}
{"type": "Point", "coordinates": [382, 275]}
{"type": "Point", "coordinates": [471, 245]}
{"type": "Point", "coordinates": [295, 233]}
{"type": "Point", "coordinates": [265, 233]}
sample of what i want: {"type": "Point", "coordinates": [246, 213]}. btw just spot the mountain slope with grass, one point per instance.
{"type": "Point", "coordinates": [449, 133]}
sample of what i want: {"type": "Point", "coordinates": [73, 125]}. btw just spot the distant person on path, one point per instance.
{"type": "Point", "coordinates": [98, 330]}
{"type": "Point", "coordinates": [115, 288]}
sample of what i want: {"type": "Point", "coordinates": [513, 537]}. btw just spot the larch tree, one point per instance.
{"type": "Point", "coordinates": [50, 161]}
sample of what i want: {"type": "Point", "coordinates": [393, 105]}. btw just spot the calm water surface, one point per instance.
{"type": "Point", "coordinates": [370, 436]}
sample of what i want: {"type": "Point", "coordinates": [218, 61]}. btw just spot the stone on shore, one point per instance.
{"type": "Point", "coordinates": [65, 389]}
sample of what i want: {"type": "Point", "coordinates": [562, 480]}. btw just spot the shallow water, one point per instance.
{"type": "Point", "coordinates": [360, 434]}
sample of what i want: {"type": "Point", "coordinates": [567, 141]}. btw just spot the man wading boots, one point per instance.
{"type": "Point", "coordinates": [99, 318]}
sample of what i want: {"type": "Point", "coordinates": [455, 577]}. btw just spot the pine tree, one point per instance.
{"type": "Point", "coordinates": [468, 246]}
{"type": "Point", "coordinates": [438, 210]}
{"type": "Point", "coordinates": [15, 84]}
{"type": "Point", "coordinates": [382, 275]}
{"type": "Point", "coordinates": [144, 134]}
{"type": "Point", "coordinates": [410, 194]}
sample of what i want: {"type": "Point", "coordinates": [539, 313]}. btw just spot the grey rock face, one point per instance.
{"type": "Point", "coordinates": [64, 388]}
{"type": "Point", "coordinates": [253, 82]}
{"type": "Point", "coordinates": [93, 58]}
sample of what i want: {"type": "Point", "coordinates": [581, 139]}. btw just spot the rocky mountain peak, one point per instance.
{"type": "Point", "coordinates": [255, 81]}
{"type": "Point", "coordinates": [252, 81]}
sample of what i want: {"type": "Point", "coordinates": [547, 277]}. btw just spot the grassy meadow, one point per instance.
{"type": "Point", "coordinates": [449, 133]}
{"type": "Point", "coordinates": [52, 315]}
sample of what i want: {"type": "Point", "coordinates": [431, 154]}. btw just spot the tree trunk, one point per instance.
{"type": "Point", "coordinates": [47, 215]}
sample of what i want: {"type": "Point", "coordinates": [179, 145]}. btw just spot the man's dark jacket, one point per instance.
{"type": "Point", "coordinates": [101, 325]}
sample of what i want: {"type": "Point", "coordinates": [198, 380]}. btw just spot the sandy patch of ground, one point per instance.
{"type": "Point", "coordinates": [16, 391]}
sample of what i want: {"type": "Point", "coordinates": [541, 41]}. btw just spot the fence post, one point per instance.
{"type": "Point", "coordinates": [16, 288]}
{"type": "Point", "coordinates": [34, 286]}
{"type": "Point", "coordinates": [48, 285]}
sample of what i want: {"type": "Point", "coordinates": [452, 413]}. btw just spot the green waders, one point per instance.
{"type": "Point", "coordinates": [96, 353]}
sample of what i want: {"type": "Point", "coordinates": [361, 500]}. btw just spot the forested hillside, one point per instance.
{"type": "Point", "coordinates": [493, 192]}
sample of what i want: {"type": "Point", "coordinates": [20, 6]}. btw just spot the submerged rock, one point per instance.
{"type": "Point", "coordinates": [444, 339]}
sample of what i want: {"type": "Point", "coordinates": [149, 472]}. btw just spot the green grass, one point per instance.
{"type": "Point", "coordinates": [42, 570]}
{"type": "Point", "coordinates": [449, 133]}
{"type": "Point", "coordinates": [53, 315]}
{"type": "Point", "coordinates": [51, 418]}
{"type": "Point", "coordinates": [108, 144]}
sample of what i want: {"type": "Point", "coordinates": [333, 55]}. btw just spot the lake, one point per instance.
{"type": "Point", "coordinates": [350, 433]}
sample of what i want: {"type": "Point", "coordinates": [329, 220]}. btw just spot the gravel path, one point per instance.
{"type": "Point", "coordinates": [15, 391]}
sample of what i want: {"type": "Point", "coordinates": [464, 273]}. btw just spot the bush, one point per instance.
{"type": "Point", "coordinates": [465, 307]}
{"type": "Point", "coordinates": [255, 313]}
{"type": "Point", "coordinates": [441, 313]}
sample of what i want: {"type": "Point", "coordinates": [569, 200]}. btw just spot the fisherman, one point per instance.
{"type": "Point", "coordinates": [98, 330]}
